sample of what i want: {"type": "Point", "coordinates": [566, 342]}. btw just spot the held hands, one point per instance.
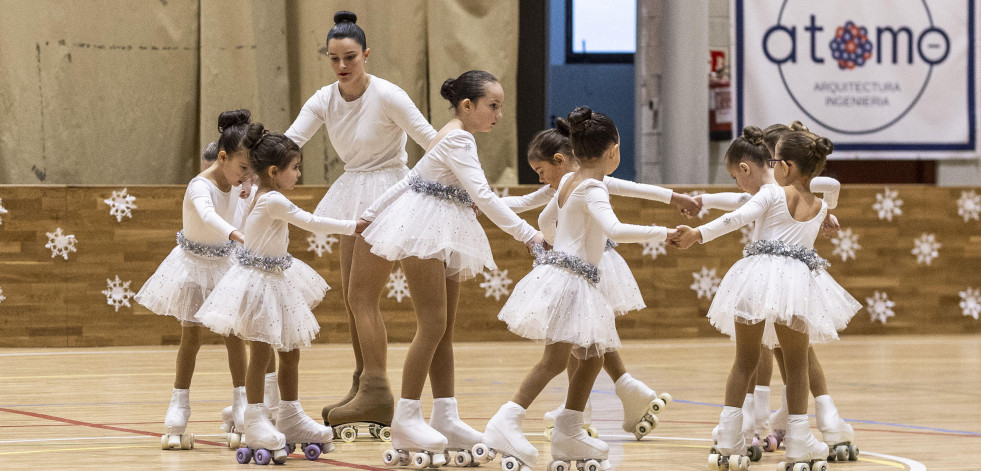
{"type": "Point", "coordinates": [683, 237]}
{"type": "Point", "coordinates": [830, 226]}
{"type": "Point", "coordinates": [476, 210]}
{"type": "Point", "coordinates": [688, 205]}
{"type": "Point", "coordinates": [237, 237]}
{"type": "Point", "coordinates": [361, 225]}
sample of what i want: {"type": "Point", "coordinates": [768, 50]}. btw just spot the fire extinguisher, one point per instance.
{"type": "Point", "coordinates": [720, 106]}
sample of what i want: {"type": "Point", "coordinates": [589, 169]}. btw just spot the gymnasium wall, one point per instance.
{"type": "Point", "coordinates": [127, 92]}
{"type": "Point", "coordinates": [48, 300]}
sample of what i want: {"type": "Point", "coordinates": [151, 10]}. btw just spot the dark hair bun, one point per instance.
{"type": "Point", "coordinates": [753, 134]}
{"type": "Point", "coordinates": [798, 126]}
{"type": "Point", "coordinates": [446, 90]}
{"type": "Point", "coordinates": [823, 146]}
{"type": "Point", "coordinates": [345, 16]}
{"type": "Point", "coordinates": [579, 119]}
{"type": "Point", "coordinates": [230, 118]}
{"type": "Point", "coordinates": [254, 135]}
{"type": "Point", "coordinates": [562, 126]}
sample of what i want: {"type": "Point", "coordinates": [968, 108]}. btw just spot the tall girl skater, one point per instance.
{"type": "Point", "coordinates": [266, 298]}
{"type": "Point", "coordinates": [428, 223]}
{"type": "Point", "coordinates": [189, 273]}
{"type": "Point", "coordinates": [780, 292]}
{"type": "Point", "coordinates": [367, 119]}
{"type": "Point", "coordinates": [559, 302]}
{"type": "Point", "coordinates": [550, 155]}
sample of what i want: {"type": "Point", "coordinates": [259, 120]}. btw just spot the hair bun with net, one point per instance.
{"type": "Point", "coordinates": [579, 119]}
{"type": "Point", "coordinates": [345, 16]}
{"type": "Point", "coordinates": [753, 134]}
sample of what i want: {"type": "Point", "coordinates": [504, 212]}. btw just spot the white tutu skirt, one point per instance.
{"type": "Point", "coordinates": [353, 192]}
{"type": "Point", "coordinates": [617, 283]}
{"type": "Point", "coordinates": [268, 307]}
{"type": "Point", "coordinates": [417, 225]}
{"type": "Point", "coordinates": [181, 284]}
{"type": "Point", "coordinates": [781, 290]}
{"type": "Point", "coordinates": [553, 305]}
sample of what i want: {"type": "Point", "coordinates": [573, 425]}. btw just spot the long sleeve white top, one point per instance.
{"type": "Point", "coordinates": [768, 208]}
{"type": "Point", "coordinates": [209, 213]}
{"type": "Point", "coordinates": [583, 223]}
{"type": "Point", "coordinates": [267, 226]}
{"type": "Point", "coordinates": [827, 186]}
{"type": "Point", "coordinates": [616, 186]}
{"type": "Point", "coordinates": [453, 161]}
{"type": "Point", "coordinates": [369, 132]}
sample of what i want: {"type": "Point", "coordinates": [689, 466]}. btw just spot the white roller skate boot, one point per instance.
{"type": "Point", "coordinates": [729, 452]}
{"type": "Point", "coordinates": [270, 396]}
{"type": "Point", "coordinates": [503, 435]}
{"type": "Point", "coordinates": [570, 443]}
{"type": "Point", "coordinates": [753, 448]}
{"type": "Point", "coordinates": [778, 420]}
{"type": "Point", "coordinates": [838, 434]}
{"type": "Point", "coordinates": [265, 442]}
{"type": "Point", "coordinates": [640, 405]}
{"type": "Point", "coordinates": [176, 423]}
{"type": "Point", "coordinates": [761, 419]}
{"type": "Point", "coordinates": [413, 440]}
{"type": "Point", "coordinates": [234, 418]}
{"type": "Point", "coordinates": [802, 447]}
{"type": "Point", "coordinates": [298, 427]}
{"type": "Point", "coordinates": [587, 415]}
{"type": "Point", "coordinates": [460, 437]}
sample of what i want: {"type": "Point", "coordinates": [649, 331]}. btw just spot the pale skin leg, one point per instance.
{"type": "Point", "coordinates": [369, 279]}
{"type": "Point", "coordinates": [428, 288]}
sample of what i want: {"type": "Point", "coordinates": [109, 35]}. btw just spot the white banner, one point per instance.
{"type": "Point", "coordinates": [880, 78]}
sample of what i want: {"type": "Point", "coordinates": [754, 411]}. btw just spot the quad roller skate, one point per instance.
{"type": "Point", "coordinates": [570, 443]}
{"type": "Point", "coordinates": [804, 452]}
{"type": "Point", "coordinates": [640, 406]}
{"type": "Point", "coordinates": [314, 438]}
{"type": "Point", "coordinates": [176, 423]}
{"type": "Point", "coordinates": [778, 420]}
{"type": "Point", "coordinates": [372, 406]}
{"type": "Point", "coordinates": [730, 450]}
{"type": "Point", "coordinates": [837, 434]}
{"type": "Point", "coordinates": [549, 420]}
{"type": "Point", "coordinates": [503, 436]}
{"type": "Point", "coordinates": [325, 412]}
{"type": "Point", "coordinates": [754, 449]}
{"type": "Point", "coordinates": [266, 444]}
{"type": "Point", "coordinates": [460, 437]}
{"type": "Point", "coordinates": [414, 442]}
{"type": "Point", "coordinates": [233, 419]}
{"type": "Point", "coordinates": [762, 435]}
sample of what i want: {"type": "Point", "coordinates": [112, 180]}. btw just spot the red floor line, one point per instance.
{"type": "Point", "coordinates": [152, 434]}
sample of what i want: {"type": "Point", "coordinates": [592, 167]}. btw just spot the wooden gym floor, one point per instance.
{"type": "Point", "coordinates": [915, 403]}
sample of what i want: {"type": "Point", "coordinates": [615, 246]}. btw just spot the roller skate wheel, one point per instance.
{"type": "Point", "coordinates": [755, 453]}
{"type": "Point", "coordinates": [714, 460]}
{"type": "Point", "coordinates": [164, 439]}
{"type": "Point", "coordinates": [348, 434]}
{"type": "Point", "coordinates": [279, 456]}
{"type": "Point", "coordinates": [510, 463]}
{"type": "Point", "coordinates": [591, 432]}
{"type": "Point", "coordinates": [312, 451]}
{"type": "Point", "coordinates": [770, 444]}
{"type": "Point", "coordinates": [482, 453]}
{"type": "Point", "coordinates": [548, 433]}
{"type": "Point", "coordinates": [390, 458]}
{"type": "Point", "coordinates": [782, 466]}
{"type": "Point", "coordinates": [656, 406]}
{"type": "Point", "coordinates": [262, 456]}
{"type": "Point", "coordinates": [187, 441]}
{"type": "Point", "coordinates": [642, 428]}
{"type": "Point", "coordinates": [591, 465]}
{"type": "Point", "coordinates": [560, 466]}
{"type": "Point", "coordinates": [665, 397]}
{"type": "Point", "coordinates": [385, 434]}
{"type": "Point", "coordinates": [462, 458]}
{"type": "Point", "coordinates": [420, 460]}
{"type": "Point", "coordinates": [852, 453]}
{"type": "Point", "coordinates": [820, 466]}
{"type": "Point", "coordinates": [744, 462]}
{"type": "Point", "coordinates": [234, 440]}
{"type": "Point", "coordinates": [802, 467]}
{"type": "Point", "coordinates": [243, 455]}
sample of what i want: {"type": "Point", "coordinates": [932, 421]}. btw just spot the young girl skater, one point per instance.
{"type": "Point", "coordinates": [266, 298]}
{"type": "Point", "coordinates": [427, 221]}
{"type": "Point", "coordinates": [367, 119]}
{"type": "Point", "coordinates": [550, 155]}
{"type": "Point", "coordinates": [559, 302]}
{"type": "Point", "coordinates": [189, 273]}
{"type": "Point", "coordinates": [780, 292]}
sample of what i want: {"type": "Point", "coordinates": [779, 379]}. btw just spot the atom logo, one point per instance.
{"type": "Point", "coordinates": [851, 46]}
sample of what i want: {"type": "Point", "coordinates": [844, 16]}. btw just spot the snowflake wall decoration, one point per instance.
{"type": "Point", "coordinates": [925, 248]}
{"type": "Point", "coordinates": [971, 302]}
{"type": "Point", "coordinates": [654, 248]}
{"type": "Point", "coordinates": [2, 297]}
{"type": "Point", "coordinates": [118, 293]}
{"type": "Point", "coordinates": [501, 192]}
{"type": "Point", "coordinates": [120, 205]}
{"type": "Point", "coordinates": [879, 307]}
{"type": "Point", "coordinates": [320, 243]}
{"type": "Point", "coordinates": [2, 211]}
{"type": "Point", "coordinates": [706, 282]}
{"type": "Point", "coordinates": [968, 205]}
{"type": "Point", "coordinates": [496, 283]}
{"type": "Point", "coordinates": [60, 243]}
{"type": "Point", "coordinates": [704, 211]}
{"type": "Point", "coordinates": [398, 287]}
{"type": "Point", "coordinates": [846, 244]}
{"type": "Point", "coordinates": [888, 204]}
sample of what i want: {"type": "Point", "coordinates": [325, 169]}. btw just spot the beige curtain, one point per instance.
{"type": "Point", "coordinates": [128, 91]}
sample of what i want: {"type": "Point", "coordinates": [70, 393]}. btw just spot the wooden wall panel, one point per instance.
{"type": "Point", "coordinates": [56, 302]}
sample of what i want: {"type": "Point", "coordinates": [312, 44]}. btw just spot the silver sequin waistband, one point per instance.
{"type": "Point", "coordinates": [439, 190]}
{"type": "Point", "coordinates": [568, 262]}
{"type": "Point", "coordinates": [778, 247]}
{"type": "Point", "coordinates": [210, 251]}
{"type": "Point", "coordinates": [269, 264]}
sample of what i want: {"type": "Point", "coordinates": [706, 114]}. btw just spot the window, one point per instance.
{"type": "Point", "coordinates": [600, 31]}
